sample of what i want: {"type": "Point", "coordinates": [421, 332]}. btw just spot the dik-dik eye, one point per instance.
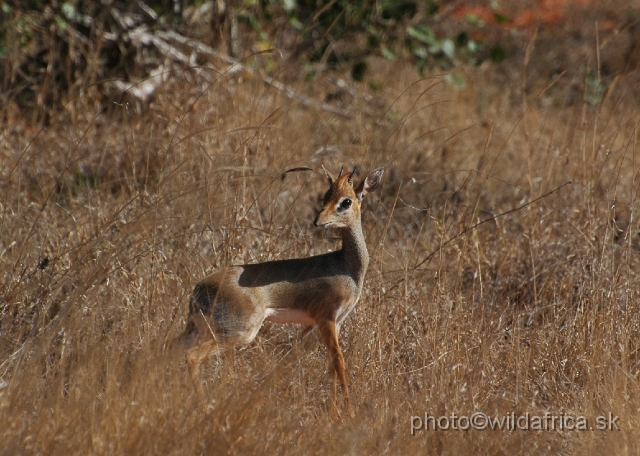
{"type": "Point", "coordinates": [345, 204]}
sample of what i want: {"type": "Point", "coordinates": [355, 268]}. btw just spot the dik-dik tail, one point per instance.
{"type": "Point", "coordinates": [199, 304]}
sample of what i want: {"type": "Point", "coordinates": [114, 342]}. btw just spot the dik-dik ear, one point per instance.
{"type": "Point", "coordinates": [369, 184]}
{"type": "Point", "coordinates": [351, 176]}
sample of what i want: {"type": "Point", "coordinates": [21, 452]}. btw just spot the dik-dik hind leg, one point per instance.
{"type": "Point", "coordinates": [305, 332]}
{"type": "Point", "coordinates": [197, 358]}
{"type": "Point", "coordinates": [329, 334]}
{"type": "Point", "coordinates": [306, 341]}
{"type": "Point", "coordinates": [215, 338]}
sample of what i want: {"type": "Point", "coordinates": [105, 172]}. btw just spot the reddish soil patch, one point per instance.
{"type": "Point", "coordinates": [522, 17]}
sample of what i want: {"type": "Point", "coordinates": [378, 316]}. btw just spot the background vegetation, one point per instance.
{"type": "Point", "coordinates": [125, 181]}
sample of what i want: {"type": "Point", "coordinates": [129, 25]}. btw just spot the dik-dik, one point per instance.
{"type": "Point", "coordinates": [228, 307]}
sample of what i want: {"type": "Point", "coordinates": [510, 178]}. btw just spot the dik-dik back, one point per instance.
{"type": "Point", "coordinates": [228, 307]}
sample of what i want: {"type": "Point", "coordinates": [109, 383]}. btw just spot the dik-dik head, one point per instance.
{"type": "Point", "coordinates": [342, 202]}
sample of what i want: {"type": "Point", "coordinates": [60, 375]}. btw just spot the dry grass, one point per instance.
{"type": "Point", "coordinates": [107, 222]}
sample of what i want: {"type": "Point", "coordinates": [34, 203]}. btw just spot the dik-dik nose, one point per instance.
{"type": "Point", "coordinates": [317, 221]}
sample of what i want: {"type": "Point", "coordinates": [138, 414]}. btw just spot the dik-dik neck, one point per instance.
{"type": "Point", "coordinates": [355, 251]}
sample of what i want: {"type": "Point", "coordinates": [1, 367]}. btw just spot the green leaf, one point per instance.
{"type": "Point", "coordinates": [69, 11]}
{"type": "Point", "coordinates": [374, 85]}
{"type": "Point", "coordinates": [455, 80]}
{"type": "Point", "coordinates": [310, 73]}
{"type": "Point", "coordinates": [423, 34]}
{"type": "Point", "coordinates": [387, 53]}
{"type": "Point", "coordinates": [62, 24]}
{"type": "Point", "coordinates": [296, 23]}
{"type": "Point", "coordinates": [420, 52]}
{"type": "Point", "coordinates": [595, 89]}
{"type": "Point", "coordinates": [501, 18]}
{"type": "Point", "coordinates": [474, 19]}
{"type": "Point", "coordinates": [448, 48]}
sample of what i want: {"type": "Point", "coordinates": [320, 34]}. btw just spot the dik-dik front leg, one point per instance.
{"type": "Point", "coordinates": [329, 334]}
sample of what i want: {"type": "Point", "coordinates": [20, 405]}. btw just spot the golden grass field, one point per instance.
{"type": "Point", "coordinates": [109, 219]}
